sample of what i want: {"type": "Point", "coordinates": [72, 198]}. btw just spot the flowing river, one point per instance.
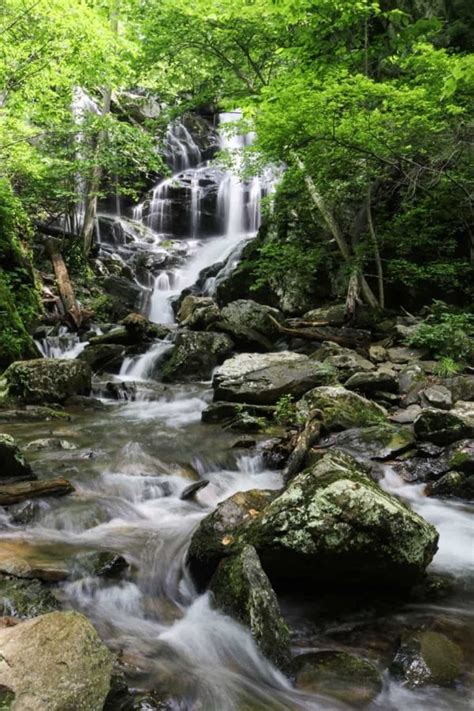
{"type": "Point", "coordinates": [132, 462]}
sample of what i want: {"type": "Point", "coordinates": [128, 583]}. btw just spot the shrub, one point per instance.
{"type": "Point", "coordinates": [447, 334]}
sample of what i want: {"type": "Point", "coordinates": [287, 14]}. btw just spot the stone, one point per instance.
{"type": "Point", "coordinates": [377, 442]}
{"type": "Point", "coordinates": [410, 377]}
{"type": "Point", "coordinates": [140, 330]}
{"type": "Point", "coordinates": [341, 409]}
{"type": "Point", "coordinates": [34, 413]}
{"type": "Point", "coordinates": [333, 525]}
{"type": "Point", "coordinates": [195, 355]}
{"type": "Point", "coordinates": [427, 658]}
{"type": "Point", "coordinates": [406, 416]}
{"type": "Point", "coordinates": [215, 533]}
{"type": "Point", "coordinates": [250, 324]}
{"type": "Point", "coordinates": [369, 383]}
{"type": "Point", "coordinates": [262, 378]}
{"type": "Point", "coordinates": [441, 427]}
{"type": "Point", "coordinates": [334, 314]}
{"type": "Point", "coordinates": [241, 589]}
{"type": "Point", "coordinates": [116, 390]}
{"type": "Point", "coordinates": [14, 466]}
{"type": "Point", "coordinates": [339, 675]}
{"type": "Point", "coordinates": [190, 491]}
{"type": "Point", "coordinates": [48, 379]}
{"type": "Point", "coordinates": [345, 361]}
{"type": "Point", "coordinates": [461, 387]}
{"type": "Point", "coordinates": [25, 598]}
{"type": "Point", "coordinates": [454, 484]}
{"type": "Point", "coordinates": [464, 410]}
{"type": "Point", "coordinates": [23, 560]}
{"type": "Point", "coordinates": [55, 662]}
{"type": "Point", "coordinates": [198, 312]}
{"type": "Point", "coordinates": [438, 396]}
{"type": "Point", "coordinates": [460, 456]}
{"type": "Point", "coordinates": [403, 354]}
{"type": "Point", "coordinates": [49, 443]}
{"type": "Point", "coordinates": [224, 412]}
{"type": "Point", "coordinates": [23, 490]}
{"type": "Point", "coordinates": [103, 357]}
{"type": "Point", "coordinates": [126, 295]}
{"type": "Point", "coordinates": [377, 353]}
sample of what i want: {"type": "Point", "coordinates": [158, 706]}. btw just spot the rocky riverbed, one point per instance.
{"type": "Point", "coordinates": [262, 520]}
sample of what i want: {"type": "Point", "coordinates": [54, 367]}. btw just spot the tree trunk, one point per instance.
{"type": "Point", "coordinates": [63, 281]}
{"type": "Point", "coordinates": [16, 493]}
{"type": "Point", "coordinates": [375, 246]}
{"type": "Point", "coordinates": [336, 231]}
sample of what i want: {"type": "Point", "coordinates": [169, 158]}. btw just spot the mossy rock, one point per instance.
{"type": "Point", "coordinates": [339, 675]}
{"type": "Point", "coordinates": [427, 658]}
{"type": "Point", "coordinates": [454, 484]}
{"type": "Point", "coordinates": [195, 355]}
{"type": "Point", "coordinates": [25, 598]}
{"type": "Point", "coordinates": [13, 464]}
{"type": "Point", "coordinates": [377, 442]}
{"type": "Point", "coordinates": [341, 409]}
{"type": "Point", "coordinates": [48, 379]}
{"type": "Point", "coordinates": [242, 590]}
{"type": "Point", "coordinates": [333, 525]}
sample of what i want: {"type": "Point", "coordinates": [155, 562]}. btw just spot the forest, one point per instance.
{"type": "Point", "coordinates": [236, 355]}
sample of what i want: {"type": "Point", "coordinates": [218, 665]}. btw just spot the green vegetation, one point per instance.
{"type": "Point", "coordinates": [448, 335]}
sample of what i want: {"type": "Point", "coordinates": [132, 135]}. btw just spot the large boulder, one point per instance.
{"type": "Point", "coordinates": [345, 361]}
{"type": "Point", "coordinates": [454, 484]}
{"type": "Point", "coordinates": [55, 662]}
{"type": "Point", "coordinates": [242, 590]}
{"type": "Point", "coordinates": [250, 325]}
{"type": "Point", "coordinates": [333, 525]}
{"type": "Point", "coordinates": [340, 675]}
{"type": "Point", "coordinates": [195, 355]}
{"type": "Point", "coordinates": [442, 427]}
{"type": "Point", "coordinates": [103, 356]}
{"type": "Point", "coordinates": [377, 442]}
{"type": "Point", "coordinates": [262, 378]}
{"type": "Point", "coordinates": [341, 409]}
{"type": "Point", "coordinates": [427, 658]}
{"type": "Point", "coordinates": [126, 295]}
{"type": "Point", "coordinates": [216, 532]}
{"type": "Point", "coordinates": [13, 464]}
{"type": "Point", "coordinates": [198, 312]}
{"type": "Point", "coordinates": [376, 381]}
{"type": "Point", "coordinates": [47, 379]}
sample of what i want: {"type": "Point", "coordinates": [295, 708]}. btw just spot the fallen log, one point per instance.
{"type": "Point", "coordinates": [306, 439]}
{"type": "Point", "coordinates": [63, 281]}
{"type": "Point", "coordinates": [16, 493]}
{"type": "Point", "coordinates": [352, 339]}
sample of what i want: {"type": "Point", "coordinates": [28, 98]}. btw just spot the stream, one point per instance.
{"type": "Point", "coordinates": [134, 459]}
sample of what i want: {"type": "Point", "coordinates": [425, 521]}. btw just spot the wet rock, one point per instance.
{"type": "Point", "coordinates": [104, 564]}
{"type": "Point", "coordinates": [244, 443]}
{"type": "Point", "coordinates": [85, 403]}
{"type": "Point", "coordinates": [377, 353]}
{"type": "Point", "coordinates": [341, 409]}
{"type": "Point", "coordinates": [103, 357]}
{"type": "Point", "coordinates": [225, 412]}
{"type": "Point", "coordinates": [369, 383]}
{"type": "Point", "coordinates": [126, 295]}
{"type": "Point", "coordinates": [406, 416]}
{"type": "Point", "coordinates": [438, 396]}
{"type": "Point", "coordinates": [339, 675]}
{"type": "Point", "coordinates": [334, 525]}
{"type": "Point", "coordinates": [334, 314]}
{"type": "Point", "coordinates": [38, 445]}
{"type": "Point", "coordinates": [454, 484]}
{"type": "Point", "coordinates": [24, 560]}
{"type": "Point", "coordinates": [190, 491]}
{"type": "Point", "coordinates": [48, 379]}
{"type": "Point", "coordinates": [195, 355]}
{"type": "Point", "coordinates": [262, 378]}
{"type": "Point", "coordinates": [460, 456]}
{"type": "Point", "coordinates": [250, 324]}
{"type": "Point", "coordinates": [242, 590]}
{"type": "Point", "coordinates": [25, 598]}
{"type": "Point", "coordinates": [33, 413]}
{"type": "Point", "coordinates": [121, 391]}
{"type": "Point", "coordinates": [344, 361]}
{"type": "Point", "coordinates": [16, 493]}
{"type": "Point", "coordinates": [140, 330]}
{"type": "Point", "coordinates": [198, 312]}
{"type": "Point", "coordinates": [377, 442]}
{"type": "Point", "coordinates": [441, 427]}
{"type": "Point", "coordinates": [427, 658]}
{"type": "Point", "coordinates": [402, 354]}
{"type": "Point", "coordinates": [215, 535]}
{"type": "Point", "coordinates": [55, 662]}
{"type": "Point", "coordinates": [24, 513]}
{"type": "Point", "coordinates": [14, 466]}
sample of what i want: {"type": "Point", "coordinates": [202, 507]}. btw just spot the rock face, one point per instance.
{"type": "Point", "coordinates": [55, 662]}
{"type": "Point", "coordinates": [340, 675]}
{"type": "Point", "coordinates": [249, 324]}
{"type": "Point", "coordinates": [334, 525]}
{"type": "Point", "coordinates": [215, 533]}
{"type": "Point", "coordinates": [14, 467]}
{"type": "Point", "coordinates": [427, 658]}
{"type": "Point", "coordinates": [47, 379]}
{"type": "Point", "coordinates": [195, 355]}
{"type": "Point", "coordinates": [442, 427]}
{"type": "Point", "coordinates": [242, 590]}
{"type": "Point", "coordinates": [341, 409]}
{"type": "Point", "coordinates": [263, 378]}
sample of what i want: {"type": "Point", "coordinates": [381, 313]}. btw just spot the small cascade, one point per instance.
{"type": "Point", "coordinates": [65, 344]}
{"type": "Point", "coordinates": [142, 367]}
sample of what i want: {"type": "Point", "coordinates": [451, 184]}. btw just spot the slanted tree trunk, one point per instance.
{"type": "Point", "coordinates": [336, 231]}
{"type": "Point", "coordinates": [63, 281]}
{"type": "Point", "coordinates": [376, 250]}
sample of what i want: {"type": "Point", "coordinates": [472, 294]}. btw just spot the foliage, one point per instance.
{"type": "Point", "coordinates": [447, 367]}
{"type": "Point", "coordinates": [285, 410]}
{"type": "Point", "coordinates": [447, 334]}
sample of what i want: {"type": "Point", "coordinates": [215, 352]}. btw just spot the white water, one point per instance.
{"type": "Point", "coordinates": [64, 345]}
